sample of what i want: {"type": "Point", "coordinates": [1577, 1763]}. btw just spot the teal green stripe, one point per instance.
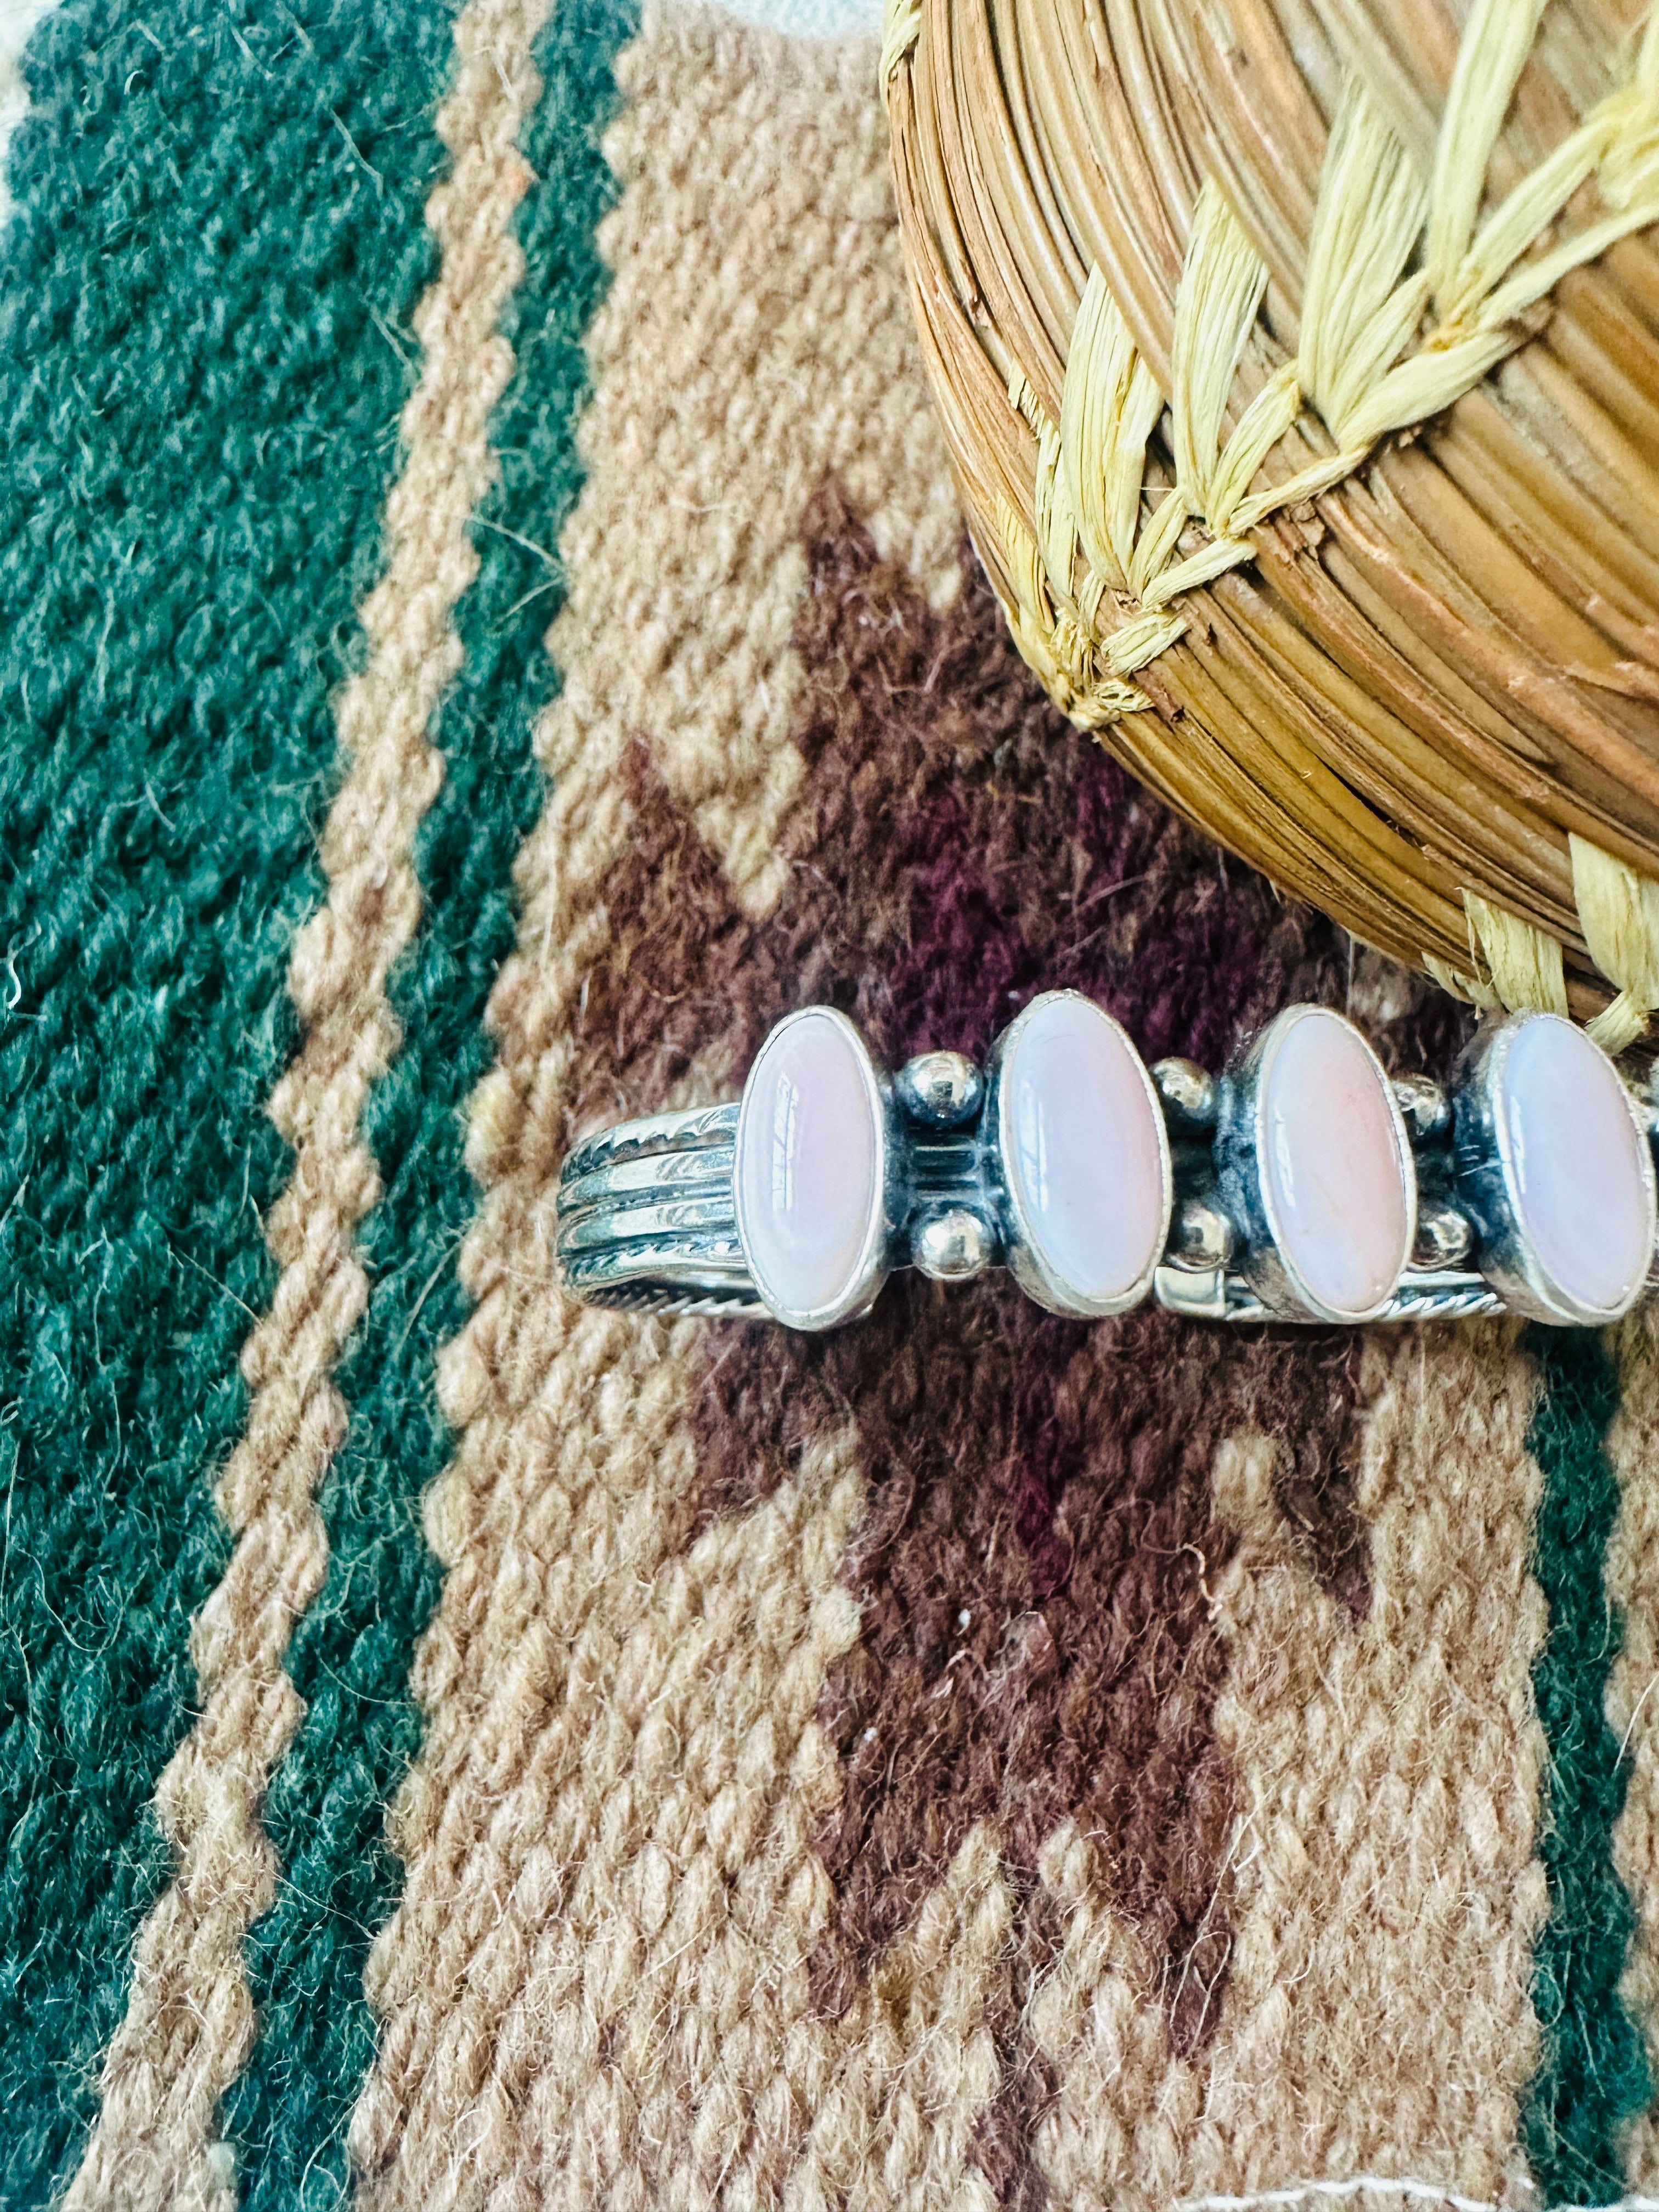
{"type": "Point", "coordinates": [351, 1656]}
{"type": "Point", "coordinates": [203, 299]}
{"type": "Point", "coordinates": [1594, 2072]}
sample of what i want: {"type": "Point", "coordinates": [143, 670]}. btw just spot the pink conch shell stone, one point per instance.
{"type": "Point", "coordinates": [1082, 1151]}
{"type": "Point", "coordinates": [1341, 1201]}
{"type": "Point", "coordinates": [1575, 1161]}
{"type": "Point", "coordinates": [808, 1169]}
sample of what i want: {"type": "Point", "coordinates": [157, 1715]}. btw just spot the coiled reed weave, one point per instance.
{"type": "Point", "coordinates": [1299, 362]}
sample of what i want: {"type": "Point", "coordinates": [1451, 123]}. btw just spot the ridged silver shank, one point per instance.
{"type": "Point", "coordinates": [646, 1217]}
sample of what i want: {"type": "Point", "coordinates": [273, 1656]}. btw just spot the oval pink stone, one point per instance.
{"type": "Point", "coordinates": [1083, 1150]}
{"type": "Point", "coordinates": [808, 1169]}
{"type": "Point", "coordinates": [1341, 1198]}
{"type": "Point", "coordinates": [1575, 1160]}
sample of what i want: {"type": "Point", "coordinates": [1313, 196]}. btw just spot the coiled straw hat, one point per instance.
{"type": "Point", "coordinates": [1299, 360]}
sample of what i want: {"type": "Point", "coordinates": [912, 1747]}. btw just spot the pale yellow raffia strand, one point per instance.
{"type": "Point", "coordinates": [1524, 962]}
{"type": "Point", "coordinates": [1457, 985]}
{"type": "Point", "coordinates": [900, 27]}
{"type": "Point", "coordinates": [189, 2023]}
{"type": "Point", "coordinates": [1619, 910]}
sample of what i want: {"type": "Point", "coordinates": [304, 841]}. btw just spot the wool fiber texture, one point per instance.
{"type": "Point", "coordinates": [201, 409]}
{"type": "Point", "coordinates": [487, 630]}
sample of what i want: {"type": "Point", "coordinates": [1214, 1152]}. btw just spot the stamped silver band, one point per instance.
{"type": "Point", "coordinates": [1301, 1184]}
{"type": "Point", "coordinates": [646, 1219]}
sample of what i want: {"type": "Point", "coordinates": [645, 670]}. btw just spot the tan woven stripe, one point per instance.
{"type": "Point", "coordinates": [189, 2025]}
{"type": "Point", "coordinates": [757, 336]}
{"type": "Point", "coordinates": [595, 1986]}
{"type": "Point", "coordinates": [1632, 1700]}
{"type": "Point", "coordinates": [611, 1889]}
{"type": "Point", "coordinates": [1377, 2014]}
{"type": "Point", "coordinates": [916, 2063]}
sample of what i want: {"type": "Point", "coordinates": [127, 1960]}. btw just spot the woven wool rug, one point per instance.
{"type": "Point", "coordinates": [485, 629]}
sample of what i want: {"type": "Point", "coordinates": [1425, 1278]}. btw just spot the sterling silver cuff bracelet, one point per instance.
{"type": "Point", "coordinates": [1301, 1184]}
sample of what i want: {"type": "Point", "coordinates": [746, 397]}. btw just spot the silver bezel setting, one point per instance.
{"type": "Point", "coordinates": [1486, 1181]}
{"type": "Point", "coordinates": [1264, 1264]}
{"type": "Point", "coordinates": [1025, 1260]}
{"type": "Point", "coordinates": [875, 1251]}
{"type": "Point", "coordinates": [647, 1216]}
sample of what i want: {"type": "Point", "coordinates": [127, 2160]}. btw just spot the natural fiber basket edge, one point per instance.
{"type": "Point", "coordinates": [1300, 369]}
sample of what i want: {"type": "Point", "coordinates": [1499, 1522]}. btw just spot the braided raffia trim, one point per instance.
{"type": "Point", "coordinates": [1408, 302]}
{"type": "Point", "coordinates": [1383, 346]}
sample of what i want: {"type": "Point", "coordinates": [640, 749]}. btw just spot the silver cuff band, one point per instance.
{"type": "Point", "coordinates": [703, 1211]}
{"type": "Point", "coordinates": [646, 1219]}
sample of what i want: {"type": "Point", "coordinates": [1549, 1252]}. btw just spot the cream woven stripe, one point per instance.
{"type": "Point", "coordinates": [189, 2025]}
{"type": "Point", "coordinates": [1383, 2185]}
{"type": "Point", "coordinates": [1408, 302]}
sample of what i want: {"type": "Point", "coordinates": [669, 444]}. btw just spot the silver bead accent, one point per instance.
{"type": "Point", "coordinates": [1424, 1107]}
{"type": "Point", "coordinates": [951, 1246]}
{"type": "Point", "coordinates": [1201, 1237]}
{"type": "Point", "coordinates": [1446, 1238]}
{"type": "Point", "coordinates": [940, 1090]}
{"type": "Point", "coordinates": [654, 1215]}
{"type": "Point", "coordinates": [1188, 1094]}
